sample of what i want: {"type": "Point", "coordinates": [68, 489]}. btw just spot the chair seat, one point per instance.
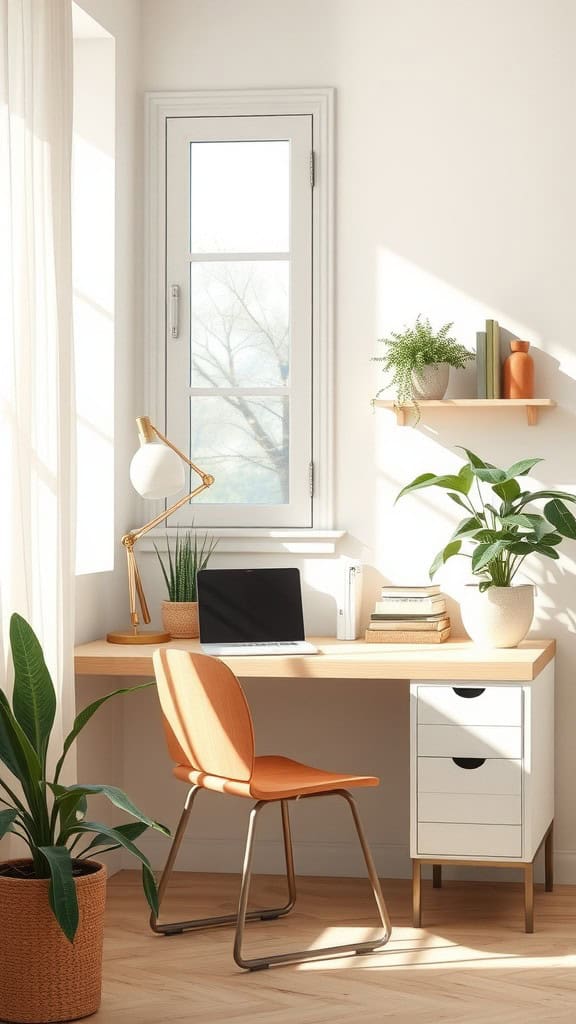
{"type": "Point", "coordinates": [276, 778]}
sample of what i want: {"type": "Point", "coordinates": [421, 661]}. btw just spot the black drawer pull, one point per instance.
{"type": "Point", "coordinates": [469, 762]}
{"type": "Point", "coordinates": [468, 691]}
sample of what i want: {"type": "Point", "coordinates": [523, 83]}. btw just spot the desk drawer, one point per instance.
{"type": "Point", "coordinates": [474, 841]}
{"type": "Point", "coordinates": [470, 705]}
{"type": "Point", "coordinates": [469, 741]}
{"type": "Point", "coordinates": [472, 776]}
{"type": "Point", "coordinates": [479, 808]}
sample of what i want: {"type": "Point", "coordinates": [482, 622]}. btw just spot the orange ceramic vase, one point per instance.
{"type": "Point", "coordinates": [519, 372]}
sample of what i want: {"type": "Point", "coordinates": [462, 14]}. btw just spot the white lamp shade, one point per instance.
{"type": "Point", "coordinates": [156, 471]}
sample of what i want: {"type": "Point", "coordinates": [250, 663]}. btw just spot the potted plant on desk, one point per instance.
{"type": "Point", "coordinates": [500, 532]}
{"type": "Point", "coordinates": [52, 901]}
{"type": "Point", "coordinates": [180, 611]}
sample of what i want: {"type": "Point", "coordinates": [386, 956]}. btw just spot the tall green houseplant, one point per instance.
{"type": "Point", "coordinates": [49, 817]}
{"type": "Point", "coordinates": [499, 530]}
{"type": "Point", "coordinates": [181, 566]}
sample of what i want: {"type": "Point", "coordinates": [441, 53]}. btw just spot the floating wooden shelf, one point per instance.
{"type": "Point", "coordinates": [532, 405]}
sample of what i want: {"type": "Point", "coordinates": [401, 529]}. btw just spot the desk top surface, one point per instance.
{"type": "Point", "coordinates": [457, 659]}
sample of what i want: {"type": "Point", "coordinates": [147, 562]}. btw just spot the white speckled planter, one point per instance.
{"type": "Point", "coordinates": [430, 382]}
{"type": "Point", "coordinates": [500, 617]}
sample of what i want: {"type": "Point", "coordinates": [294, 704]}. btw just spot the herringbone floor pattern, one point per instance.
{"type": "Point", "coordinates": [470, 964]}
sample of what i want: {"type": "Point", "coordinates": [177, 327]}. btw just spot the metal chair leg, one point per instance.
{"type": "Point", "coordinates": [301, 956]}
{"type": "Point", "coordinates": [176, 927]}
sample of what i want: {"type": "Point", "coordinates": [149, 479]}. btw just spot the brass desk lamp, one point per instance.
{"type": "Point", "coordinates": [156, 471]}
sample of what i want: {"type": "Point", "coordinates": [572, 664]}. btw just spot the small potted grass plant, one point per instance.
{"type": "Point", "coordinates": [500, 530]}
{"type": "Point", "coordinates": [419, 361]}
{"type": "Point", "coordinates": [179, 568]}
{"type": "Point", "coordinates": [52, 899]}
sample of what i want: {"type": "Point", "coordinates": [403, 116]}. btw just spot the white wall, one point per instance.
{"type": "Point", "coordinates": [456, 164]}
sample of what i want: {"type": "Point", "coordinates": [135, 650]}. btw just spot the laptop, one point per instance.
{"type": "Point", "coordinates": [251, 611]}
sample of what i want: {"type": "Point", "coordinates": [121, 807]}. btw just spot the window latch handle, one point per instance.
{"type": "Point", "coordinates": [173, 308]}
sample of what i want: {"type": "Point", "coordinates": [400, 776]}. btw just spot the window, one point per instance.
{"type": "Point", "coordinates": [244, 347]}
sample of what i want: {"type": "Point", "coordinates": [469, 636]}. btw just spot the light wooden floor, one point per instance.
{"type": "Point", "coordinates": [470, 964]}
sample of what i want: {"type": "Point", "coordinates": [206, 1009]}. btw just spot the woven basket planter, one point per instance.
{"type": "Point", "coordinates": [180, 619]}
{"type": "Point", "coordinates": [43, 977]}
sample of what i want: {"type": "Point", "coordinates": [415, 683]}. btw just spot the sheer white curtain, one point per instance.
{"type": "Point", "coordinates": [37, 494]}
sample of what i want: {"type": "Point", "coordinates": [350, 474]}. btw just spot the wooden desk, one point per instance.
{"type": "Point", "coordinates": [458, 659]}
{"type": "Point", "coordinates": [481, 739]}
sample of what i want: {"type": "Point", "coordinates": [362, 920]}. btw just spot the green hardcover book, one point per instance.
{"type": "Point", "coordinates": [496, 367]}
{"type": "Point", "coordinates": [481, 364]}
{"type": "Point", "coordinates": [489, 359]}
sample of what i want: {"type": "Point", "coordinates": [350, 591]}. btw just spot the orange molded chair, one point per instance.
{"type": "Point", "coordinates": [211, 741]}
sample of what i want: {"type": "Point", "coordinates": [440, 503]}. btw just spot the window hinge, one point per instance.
{"type": "Point", "coordinates": [312, 169]}
{"type": "Point", "coordinates": [311, 478]}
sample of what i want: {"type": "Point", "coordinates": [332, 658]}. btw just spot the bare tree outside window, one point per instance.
{"type": "Point", "coordinates": [240, 355]}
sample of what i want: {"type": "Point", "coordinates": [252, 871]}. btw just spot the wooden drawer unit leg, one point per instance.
{"type": "Point", "coordinates": [549, 859]}
{"type": "Point", "coordinates": [416, 894]}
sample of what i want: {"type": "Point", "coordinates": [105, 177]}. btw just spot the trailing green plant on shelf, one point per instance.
{"type": "Point", "coordinates": [47, 816]}
{"type": "Point", "coordinates": [409, 351]}
{"type": "Point", "coordinates": [498, 530]}
{"type": "Point", "coordinates": [182, 565]}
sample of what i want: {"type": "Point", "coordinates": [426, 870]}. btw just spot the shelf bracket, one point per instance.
{"type": "Point", "coordinates": [532, 415]}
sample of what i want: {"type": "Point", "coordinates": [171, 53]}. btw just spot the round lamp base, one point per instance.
{"type": "Point", "coordinates": [132, 636]}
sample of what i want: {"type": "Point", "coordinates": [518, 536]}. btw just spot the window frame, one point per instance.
{"type": "Point", "coordinates": [319, 103]}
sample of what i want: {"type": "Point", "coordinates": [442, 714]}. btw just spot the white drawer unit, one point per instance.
{"type": "Point", "coordinates": [470, 705]}
{"type": "Point", "coordinates": [482, 779]}
{"type": "Point", "coordinates": [470, 741]}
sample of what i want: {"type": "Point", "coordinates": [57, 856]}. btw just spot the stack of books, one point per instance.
{"type": "Point", "coordinates": [488, 362]}
{"type": "Point", "coordinates": [409, 615]}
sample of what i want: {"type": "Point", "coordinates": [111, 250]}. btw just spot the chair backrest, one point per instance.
{"type": "Point", "coordinates": [206, 717]}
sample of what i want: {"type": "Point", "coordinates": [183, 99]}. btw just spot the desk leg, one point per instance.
{"type": "Point", "coordinates": [416, 894]}
{"type": "Point", "coordinates": [529, 897]}
{"type": "Point", "coordinates": [436, 876]}
{"type": "Point", "coordinates": [549, 860]}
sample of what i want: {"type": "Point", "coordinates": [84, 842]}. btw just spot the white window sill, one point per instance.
{"type": "Point", "coordinates": [256, 541]}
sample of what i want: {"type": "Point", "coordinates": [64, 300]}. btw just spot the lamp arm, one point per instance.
{"type": "Point", "coordinates": [129, 539]}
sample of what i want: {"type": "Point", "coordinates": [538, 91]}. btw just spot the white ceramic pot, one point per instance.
{"type": "Point", "coordinates": [499, 617]}
{"type": "Point", "coordinates": [430, 382]}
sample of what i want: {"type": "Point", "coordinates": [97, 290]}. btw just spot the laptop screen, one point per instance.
{"type": "Point", "coordinates": [238, 606]}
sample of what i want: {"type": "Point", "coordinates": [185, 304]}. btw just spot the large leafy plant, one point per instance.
{"type": "Point", "coordinates": [415, 347]}
{"type": "Point", "coordinates": [499, 530]}
{"type": "Point", "coordinates": [48, 816]}
{"type": "Point", "coordinates": [181, 565]}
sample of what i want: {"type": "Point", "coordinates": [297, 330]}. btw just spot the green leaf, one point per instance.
{"type": "Point", "coordinates": [120, 800]}
{"type": "Point", "coordinates": [70, 805]}
{"type": "Point", "coordinates": [475, 460]}
{"type": "Point", "coordinates": [424, 480]}
{"type": "Point", "coordinates": [525, 499]}
{"type": "Point", "coordinates": [486, 553]}
{"type": "Point", "coordinates": [62, 891]}
{"type": "Point", "coordinates": [508, 490]}
{"type": "Point", "coordinates": [489, 475]}
{"type": "Point", "coordinates": [457, 498]}
{"type": "Point", "coordinates": [84, 716]}
{"type": "Point", "coordinates": [7, 819]}
{"type": "Point", "coordinates": [550, 539]}
{"type": "Point", "coordinates": [34, 698]}
{"type": "Point", "coordinates": [468, 526]}
{"type": "Point", "coordinates": [150, 889]}
{"type": "Point", "coordinates": [131, 830]}
{"type": "Point", "coordinates": [449, 551]}
{"type": "Point", "coordinates": [522, 468]}
{"type": "Point", "coordinates": [522, 520]}
{"type": "Point", "coordinates": [561, 518]}
{"type": "Point", "coordinates": [120, 839]}
{"type": "Point", "coordinates": [19, 756]}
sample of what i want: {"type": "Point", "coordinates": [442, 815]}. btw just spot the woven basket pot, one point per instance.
{"type": "Point", "coordinates": [180, 619]}
{"type": "Point", "coordinates": [43, 977]}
